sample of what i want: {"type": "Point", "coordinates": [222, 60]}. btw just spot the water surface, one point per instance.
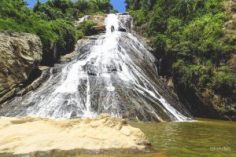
{"type": "Point", "coordinates": [202, 138]}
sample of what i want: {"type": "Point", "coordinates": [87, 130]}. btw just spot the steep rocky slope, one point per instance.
{"type": "Point", "coordinates": [20, 54]}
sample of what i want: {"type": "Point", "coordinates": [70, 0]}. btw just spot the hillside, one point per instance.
{"type": "Point", "coordinates": [195, 44]}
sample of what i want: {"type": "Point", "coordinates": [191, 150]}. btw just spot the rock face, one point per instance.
{"type": "Point", "coordinates": [98, 21]}
{"type": "Point", "coordinates": [20, 53]}
{"type": "Point", "coordinates": [112, 73]}
{"type": "Point", "coordinates": [101, 133]}
{"type": "Point", "coordinates": [125, 24]}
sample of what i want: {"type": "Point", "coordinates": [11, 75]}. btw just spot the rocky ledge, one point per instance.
{"type": "Point", "coordinates": [20, 53]}
{"type": "Point", "coordinates": [21, 136]}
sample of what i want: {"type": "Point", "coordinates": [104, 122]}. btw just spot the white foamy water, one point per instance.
{"type": "Point", "coordinates": [115, 75]}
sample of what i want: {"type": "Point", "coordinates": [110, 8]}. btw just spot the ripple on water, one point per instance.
{"type": "Point", "coordinates": [201, 138]}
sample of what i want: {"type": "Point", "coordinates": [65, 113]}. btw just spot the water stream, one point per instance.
{"type": "Point", "coordinates": [116, 74]}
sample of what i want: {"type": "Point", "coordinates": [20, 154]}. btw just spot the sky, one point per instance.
{"type": "Point", "coordinates": [117, 4]}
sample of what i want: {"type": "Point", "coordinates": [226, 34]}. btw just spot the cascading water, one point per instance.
{"type": "Point", "coordinates": [116, 75]}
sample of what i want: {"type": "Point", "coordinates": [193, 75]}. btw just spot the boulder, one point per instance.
{"type": "Point", "coordinates": [45, 135]}
{"type": "Point", "coordinates": [20, 54]}
{"type": "Point", "coordinates": [126, 23]}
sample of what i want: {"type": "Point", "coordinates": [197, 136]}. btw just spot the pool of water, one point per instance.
{"type": "Point", "coordinates": [201, 138]}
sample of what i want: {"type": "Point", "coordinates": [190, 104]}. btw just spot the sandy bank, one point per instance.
{"type": "Point", "coordinates": [25, 135]}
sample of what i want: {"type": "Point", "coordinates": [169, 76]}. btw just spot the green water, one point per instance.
{"type": "Point", "coordinates": [202, 138]}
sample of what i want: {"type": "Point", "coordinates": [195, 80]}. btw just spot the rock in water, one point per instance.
{"type": "Point", "coordinates": [26, 135]}
{"type": "Point", "coordinates": [20, 53]}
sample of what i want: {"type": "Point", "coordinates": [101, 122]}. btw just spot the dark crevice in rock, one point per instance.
{"type": "Point", "coordinates": [194, 104]}
{"type": "Point", "coordinates": [35, 73]}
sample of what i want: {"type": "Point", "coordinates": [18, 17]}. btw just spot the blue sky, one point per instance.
{"type": "Point", "coordinates": [118, 4]}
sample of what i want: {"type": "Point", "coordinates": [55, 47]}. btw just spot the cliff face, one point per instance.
{"type": "Point", "coordinates": [195, 48]}
{"type": "Point", "coordinates": [20, 53]}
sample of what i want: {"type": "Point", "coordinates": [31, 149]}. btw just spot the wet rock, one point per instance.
{"type": "Point", "coordinates": [20, 54]}
{"type": "Point", "coordinates": [122, 30]}
{"type": "Point", "coordinates": [111, 68]}
{"type": "Point", "coordinates": [113, 74]}
{"type": "Point", "coordinates": [91, 69]}
{"type": "Point", "coordinates": [125, 24]}
{"type": "Point", "coordinates": [44, 75]}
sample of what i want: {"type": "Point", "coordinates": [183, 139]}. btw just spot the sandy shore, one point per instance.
{"type": "Point", "coordinates": [26, 135]}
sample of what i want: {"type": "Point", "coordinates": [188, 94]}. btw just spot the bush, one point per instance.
{"type": "Point", "coordinates": [224, 82]}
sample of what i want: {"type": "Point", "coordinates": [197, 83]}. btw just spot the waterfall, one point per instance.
{"type": "Point", "coordinates": [115, 75]}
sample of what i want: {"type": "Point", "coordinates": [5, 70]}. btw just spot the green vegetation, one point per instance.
{"type": "Point", "coordinates": [51, 21]}
{"type": "Point", "coordinates": [190, 42]}
{"type": "Point", "coordinates": [68, 9]}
